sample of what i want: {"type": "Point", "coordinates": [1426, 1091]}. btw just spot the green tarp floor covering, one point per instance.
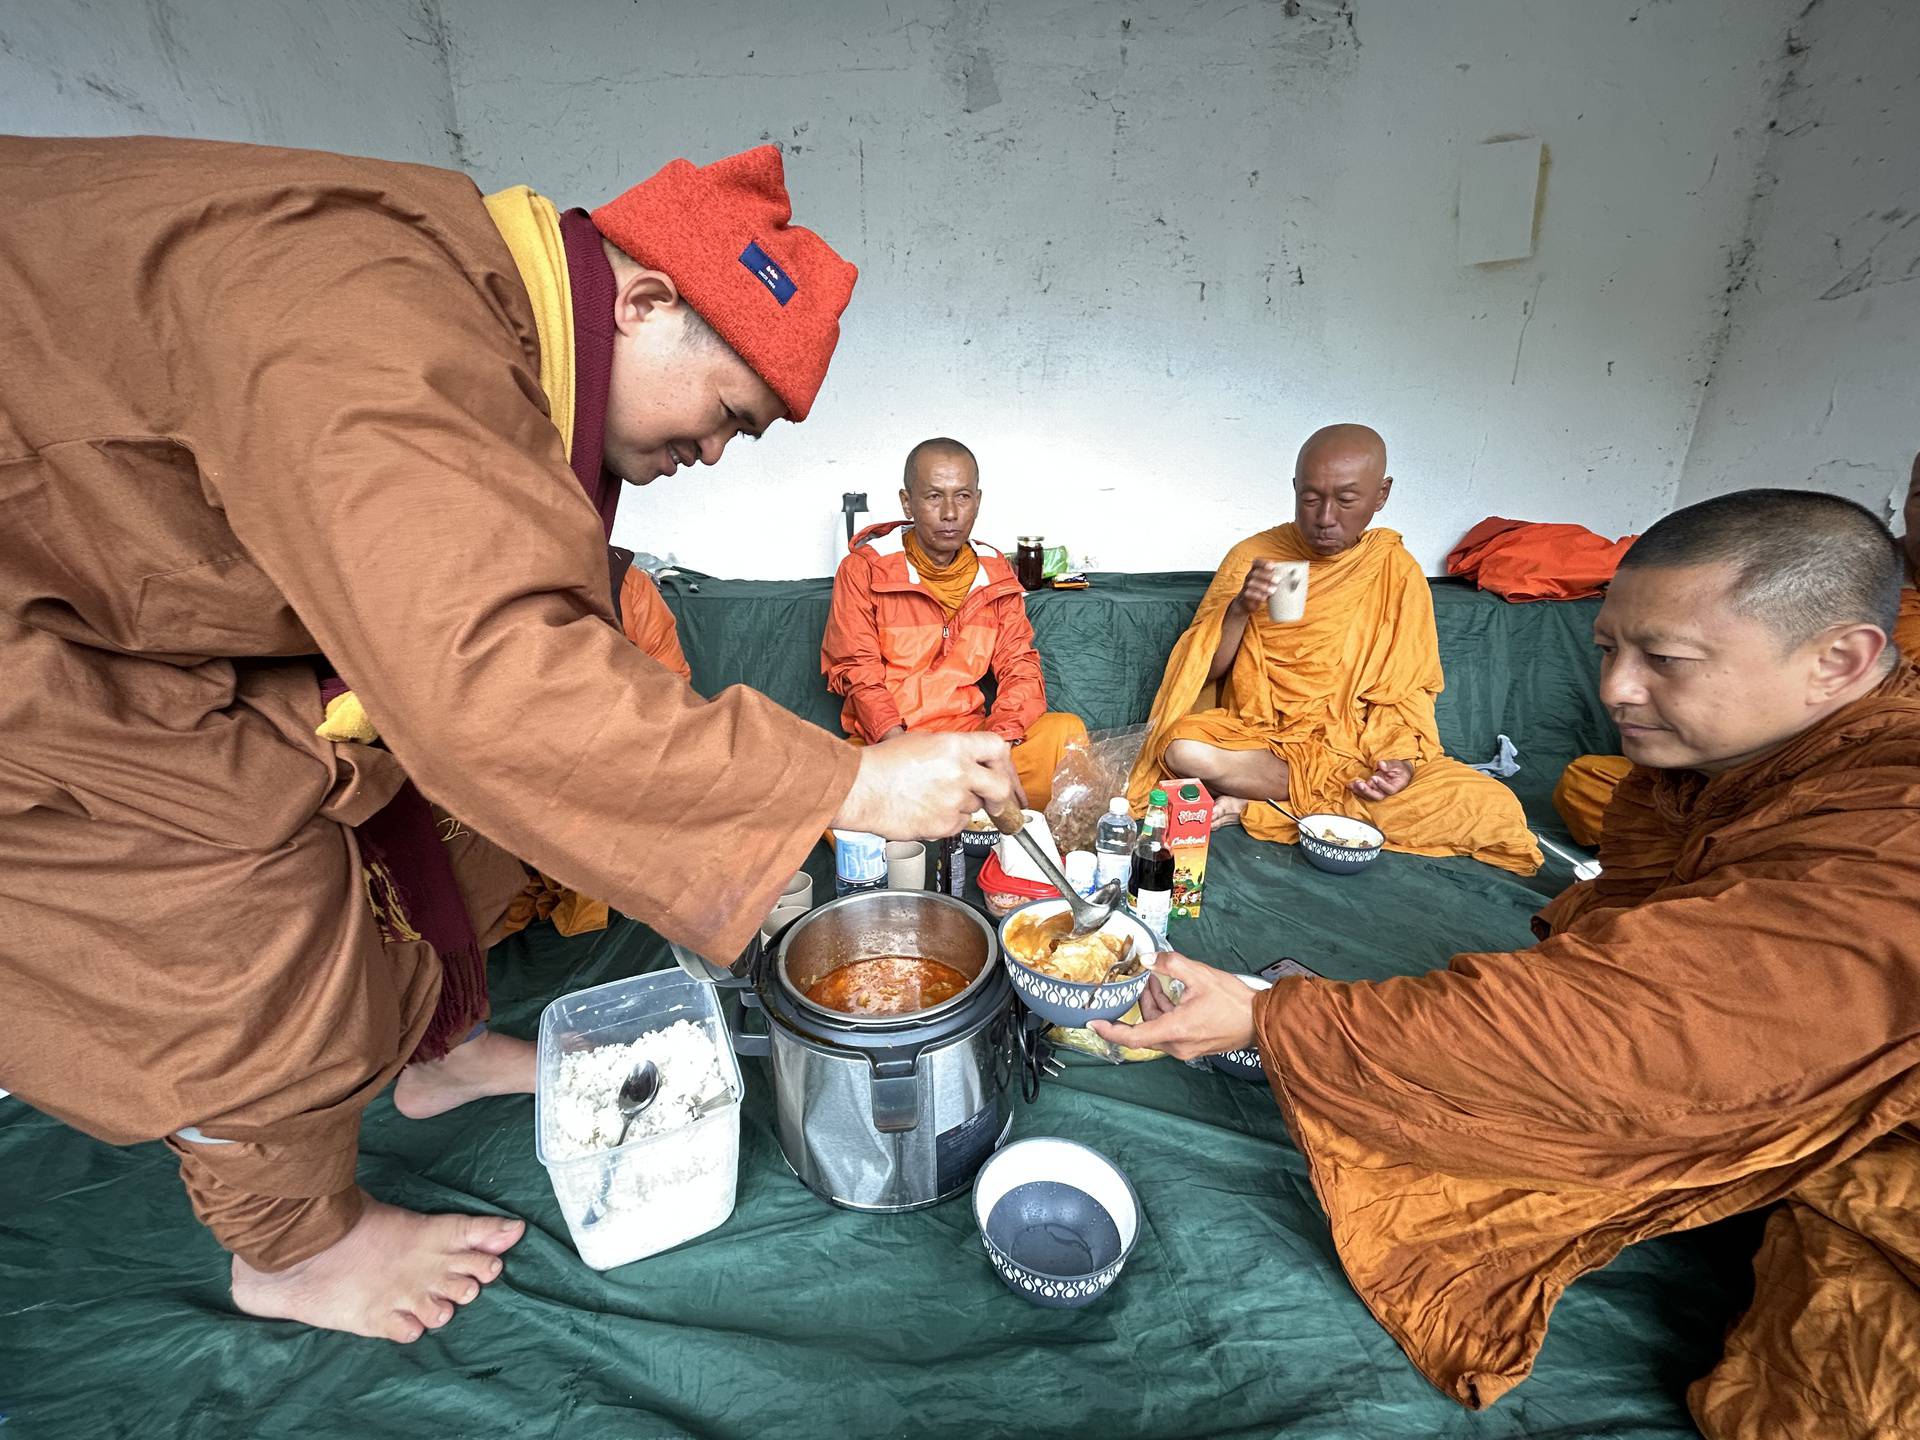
{"type": "Point", "coordinates": [795, 1319]}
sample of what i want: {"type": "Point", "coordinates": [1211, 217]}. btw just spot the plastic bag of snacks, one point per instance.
{"type": "Point", "coordinates": [1087, 777]}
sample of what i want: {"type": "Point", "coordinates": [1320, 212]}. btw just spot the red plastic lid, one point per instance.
{"type": "Point", "coordinates": [996, 880]}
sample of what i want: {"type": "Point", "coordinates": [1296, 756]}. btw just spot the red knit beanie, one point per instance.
{"type": "Point", "coordinates": [771, 290]}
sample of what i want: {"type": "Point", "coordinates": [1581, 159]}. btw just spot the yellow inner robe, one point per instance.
{"type": "Point", "coordinates": [1350, 684]}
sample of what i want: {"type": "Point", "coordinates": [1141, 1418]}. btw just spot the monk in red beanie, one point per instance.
{"type": "Point", "coordinates": [310, 465]}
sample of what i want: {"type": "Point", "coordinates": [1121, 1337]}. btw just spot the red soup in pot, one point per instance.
{"type": "Point", "coordinates": [886, 985]}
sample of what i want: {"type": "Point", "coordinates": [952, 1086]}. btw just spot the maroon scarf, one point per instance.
{"type": "Point", "coordinates": [401, 844]}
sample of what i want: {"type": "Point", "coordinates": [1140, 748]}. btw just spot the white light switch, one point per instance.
{"type": "Point", "coordinates": [1499, 186]}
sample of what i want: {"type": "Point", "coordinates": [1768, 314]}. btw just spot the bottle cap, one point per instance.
{"type": "Point", "coordinates": [1158, 797]}
{"type": "Point", "coordinates": [1118, 806]}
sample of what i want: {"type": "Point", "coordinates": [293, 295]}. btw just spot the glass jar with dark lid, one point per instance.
{"type": "Point", "coordinates": [1030, 561]}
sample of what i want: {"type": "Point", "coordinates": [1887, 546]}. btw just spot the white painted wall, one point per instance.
{"type": "Point", "coordinates": [367, 77]}
{"type": "Point", "coordinates": [1132, 254]}
{"type": "Point", "coordinates": [1819, 384]}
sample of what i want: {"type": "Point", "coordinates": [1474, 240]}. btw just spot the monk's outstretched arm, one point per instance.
{"type": "Point", "coordinates": [1672, 1037]}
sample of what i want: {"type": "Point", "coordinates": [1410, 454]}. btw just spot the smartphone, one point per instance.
{"type": "Point", "coordinates": [1286, 966]}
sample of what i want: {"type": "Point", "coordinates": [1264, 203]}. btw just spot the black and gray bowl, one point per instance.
{"type": "Point", "coordinates": [1058, 1220]}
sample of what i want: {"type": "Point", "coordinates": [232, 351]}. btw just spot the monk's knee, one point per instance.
{"type": "Point", "coordinates": [1190, 757]}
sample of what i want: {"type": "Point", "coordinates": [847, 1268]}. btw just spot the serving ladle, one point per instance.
{"type": "Point", "coordinates": [1090, 912]}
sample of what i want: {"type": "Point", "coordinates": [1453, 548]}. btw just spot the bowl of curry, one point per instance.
{"type": "Point", "coordinates": [1059, 976]}
{"type": "Point", "coordinates": [898, 957]}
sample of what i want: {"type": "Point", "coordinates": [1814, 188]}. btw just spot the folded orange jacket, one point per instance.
{"type": "Point", "coordinates": [1522, 560]}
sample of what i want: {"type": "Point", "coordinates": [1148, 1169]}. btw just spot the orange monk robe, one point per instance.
{"type": "Point", "coordinates": [1587, 784]}
{"type": "Point", "coordinates": [648, 622]}
{"type": "Point", "coordinates": [260, 405]}
{"type": "Point", "coordinates": [1584, 791]}
{"type": "Point", "coordinates": [1333, 694]}
{"type": "Point", "coordinates": [1728, 1017]}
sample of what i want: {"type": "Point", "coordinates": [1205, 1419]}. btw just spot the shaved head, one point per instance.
{"type": "Point", "coordinates": [1340, 481]}
{"type": "Point", "coordinates": [1800, 562]}
{"type": "Point", "coordinates": [940, 494]}
{"type": "Point", "coordinates": [940, 447]}
{"type": "Point", "coordinates": [1355, 448]}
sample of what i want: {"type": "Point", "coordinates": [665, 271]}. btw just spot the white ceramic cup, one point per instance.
{"type": "Point", "coordinates": [779, 919]}
{"type": "Point", "coordinates": [797, 891]}
{"type": "Point", "coordinates": [1288, 602]}
{"type": "Point", "coordinates": [906, 865]}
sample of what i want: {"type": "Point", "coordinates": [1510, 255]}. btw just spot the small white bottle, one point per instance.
{"type": "Point", "coordinates": [1113, 841]}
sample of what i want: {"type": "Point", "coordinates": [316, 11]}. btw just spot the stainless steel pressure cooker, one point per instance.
{"type": "Point", "coordinates": [882, 1112]}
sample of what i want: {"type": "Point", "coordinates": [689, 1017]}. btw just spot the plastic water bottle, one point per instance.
{"type": "Point", "coordinates": [1113, 841]}
{"type": "Point", "coordinates": [859, 862]}
{"type": "Point", "coordinates": [1152, 880]}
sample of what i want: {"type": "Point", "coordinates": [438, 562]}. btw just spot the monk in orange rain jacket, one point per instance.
{"type": "Point", "coordinates": [922, 614]}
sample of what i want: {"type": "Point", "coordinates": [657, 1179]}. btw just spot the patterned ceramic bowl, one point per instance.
{"type": "Point", "coordinates": [1363, 849]}
{"type": "Point", "coordinates": [979, 838]}
{"type": "Point", "coordinates": [1064, 1002]}
{"type": "Point", "coordinates": [1058, 1220]}
{"type": "Point", "coordinates": [1243, 1064]}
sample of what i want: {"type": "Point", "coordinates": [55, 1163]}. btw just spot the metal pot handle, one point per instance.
{"type": "Point", "coordinates": [895, 1095]}
{"type": "Point", "coordinates": [753, 1044]}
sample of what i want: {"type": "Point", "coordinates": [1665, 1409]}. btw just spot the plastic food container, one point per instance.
{"type": "Point", "coordinates": [659, 1190]}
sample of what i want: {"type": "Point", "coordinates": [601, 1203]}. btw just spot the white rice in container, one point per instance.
{"type": "Point", "coordinates": [663, 1192]}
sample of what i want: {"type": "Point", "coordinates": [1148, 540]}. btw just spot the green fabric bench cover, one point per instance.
{"type": "Point", "coordinates": [795, 1319]}
{"type": "Point", "coordinates": [1529, 672]}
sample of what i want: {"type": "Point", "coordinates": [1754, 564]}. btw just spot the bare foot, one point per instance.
{"type": "Point", "coordinates": [488, 1064]}
{"type": "Point", "coordinates": [1227, 811]}
{"type": "Point", "coordinates": [394, 1276]}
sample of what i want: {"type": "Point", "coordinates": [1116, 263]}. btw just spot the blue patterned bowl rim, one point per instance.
{"type": "Point", "coordinates": [1096, 994]}
{"type": "Point", "coordinates": [1133, 1199]}
{"type": "Point", "coordinates": [1343, 852]}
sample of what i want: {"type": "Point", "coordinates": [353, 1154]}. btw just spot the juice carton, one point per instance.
{"type": "Point", "coordinates": [1189, 828]}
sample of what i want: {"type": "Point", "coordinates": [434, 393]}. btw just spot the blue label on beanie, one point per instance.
{"type": "Point", "coordinates": [766, 272]}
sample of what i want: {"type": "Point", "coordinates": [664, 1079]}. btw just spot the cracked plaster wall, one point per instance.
{"type": "Point", "coordinates": [1132, 254]}
{"type": "Point", "coordinates": [1819, 382]}
{"type": "Point", "coordinates": [368, 77]}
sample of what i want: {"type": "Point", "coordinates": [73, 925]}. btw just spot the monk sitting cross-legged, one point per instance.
{"type": "Point", "coordinates": [1727, 1018]}
{"type": "Point", "coordinates": [922, 614]}
{"type": "Point", "coordinates": [1331, 713]}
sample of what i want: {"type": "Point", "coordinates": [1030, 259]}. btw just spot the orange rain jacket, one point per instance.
{"type": "Point", "coordinates": [891, 650]}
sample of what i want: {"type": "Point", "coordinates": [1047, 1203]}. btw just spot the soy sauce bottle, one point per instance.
{"type": "Point", "coordinates": [1150, 891]}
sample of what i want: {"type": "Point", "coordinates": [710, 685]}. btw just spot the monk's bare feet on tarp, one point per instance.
{"type": "Point", "coordinates": [394, 1276]}
{"type": "Point", "coordinates": [1228, 810]}
{"type": "Point", "coordinates": [488, 1064]}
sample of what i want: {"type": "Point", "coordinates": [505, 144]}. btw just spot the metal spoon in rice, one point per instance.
{"type": "Point", "coordinates": [637, 1092]}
